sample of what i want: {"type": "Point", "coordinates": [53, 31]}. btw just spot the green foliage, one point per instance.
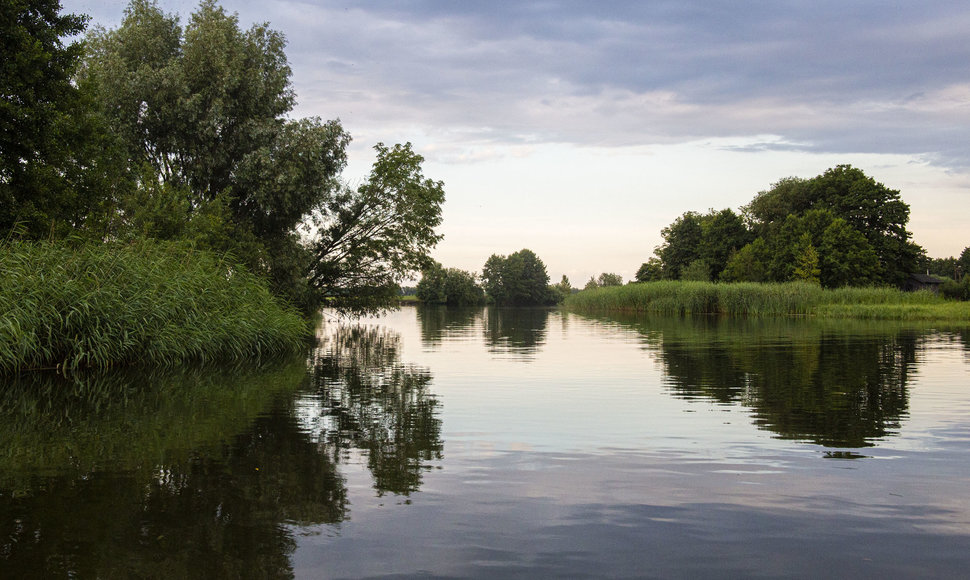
{"type": "Point", "coordinates": [855, 227]}
{"type": "Point", "coordinates": [650, 271]}
{"type": "Point", "coordinates": [609, 279]}
{"type": "Point", "coordinates": [106, 305]}
{"type": "Point", "coordinates": [697, 271]}
{"type": "Point", "coordinates": [786, 299]}
{"type": "Point", "coordinates": [749, 264]}
{"type": "Point", "coordinates": [450, 286]}
{"type": "Point", "coordinates": [563, 289]}
{"type": "Point", "coordinates": [711, 238]}
{"type": "Point", "coordinates": [49, 140]}
{"type": "Point", "coordinates": [806, 261]}
{"type": "Point", "coordinates": [370, 239]}
{"type": "Point", "coordinates": [868, 207]}
{"type": "Point", "coordinates": [683, 240]}
{"type": "Point", "coordinates": [517, 280]}
{"type": "Point", "coordinates": [201, 113]}
{"type": "Point", "coordinates": [957, 289]}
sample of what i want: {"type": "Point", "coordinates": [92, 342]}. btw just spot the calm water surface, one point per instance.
{"type": "Point", "coordinates": [506, 443]}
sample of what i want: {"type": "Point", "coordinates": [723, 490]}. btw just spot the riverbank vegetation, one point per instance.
{"type": "Point", "coordinates": [768, 299]}
{"type": "Point", "coordinates": [840, 228]}
{"type": "Point", "coordinates": [158, 132]}
{"type": "Point", "coordinates": [143, 303]}
{"type": "Point", "coordinates": [519, 279]}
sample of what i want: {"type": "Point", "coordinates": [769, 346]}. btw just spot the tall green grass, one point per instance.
{"type": "Point", "coordinates": [753, 299]}
{"type": "Point", "coordinates": [148, 302]}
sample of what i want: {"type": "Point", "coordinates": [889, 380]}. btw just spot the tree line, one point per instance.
{"type": "Point", "coordinates": [519, 279]}
{"type": "Point", "coordinates": [840, 228]}
{"type": "Point", "coordinates": [159, 129]}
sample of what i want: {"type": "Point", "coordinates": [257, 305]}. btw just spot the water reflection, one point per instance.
{"type": "Point", "coordinates": [438, 323]}
{"type": "Point", "coordinates": [120, 474]}
{"type": "Point", "coordinates": [517, 331]}
{"type": "Point", "coordinates": [838, 385]}
{"type": "Point", "coordinates": [363, 397]}
{"type": "Point", "coordinates": [200, 472]}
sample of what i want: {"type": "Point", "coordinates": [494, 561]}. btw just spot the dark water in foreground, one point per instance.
{"type": "Point", "coordinates": [506, 443]}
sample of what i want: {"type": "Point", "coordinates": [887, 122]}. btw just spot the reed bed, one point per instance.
{"type": "Point", "coordinates": [754, 299]}
{"type": "Point", "coordinates": [149, 302]}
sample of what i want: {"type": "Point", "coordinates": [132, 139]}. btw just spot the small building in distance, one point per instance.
{"type": "Point", "coordinates": [922, 282]}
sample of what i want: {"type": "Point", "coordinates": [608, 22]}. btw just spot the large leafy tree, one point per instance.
{"type": "Point", "coordinates": [519, 279]}
{"type": "Point", "coordinates": [682, 244]}
{"type": "Point", "coordinates": [201, 114]}
{"type": "Point", "coordinates": [368, 240]}
{"type": "Point", "coordinates": [868, 207]}
{"type": "Point", "coordinates": [203, 109]}
{"type": "Point", "coordinates": [46, 133]}
{"type": "Point", "coordinates": [705, 241]}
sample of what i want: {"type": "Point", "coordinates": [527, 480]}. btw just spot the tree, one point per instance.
{"type": "Point", "coordinates": [563, 289]}
{"type": "Point", "coordinates": [749, 264]}
{"type": "Point", "coordinates": [650, 271]}
{"type": "Point", "coordinates": [846, 257]}
{"type": "Point", "coordinates": [517, 280]}
{"type": "Point", "coordinates": [963, 262]}
{"type": "Point", "coordinates": [200, 115]}
{"type": "Point", "coordinates": [806, 261]}
{"type": "Point", "coordinates": [450, 286]}
{"type": "Point", "coordinates": [724, 233]}
{"type": "Point", "coordinates": [43, 123]}
{"type": "Point", "coordinates": [370, 239]}
{"type": "Point", "coordinates": [682, 244]}
{"type": "Point", "coordinates": [591, 284]}
{"type": "Point", "coordinates": [697, 271]}
{"type": "Point", "coordinates": [609, 279]}
{"type": "Point", "coordinates": [869, 207]}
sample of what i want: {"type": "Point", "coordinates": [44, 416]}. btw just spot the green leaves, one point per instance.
{"type": "Point", "coordinates": [370, 239]}
{"type": "Point", "coordinates": [517, 280]}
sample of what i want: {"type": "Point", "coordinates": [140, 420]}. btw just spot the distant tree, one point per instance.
{"type": "Point", "coordinates": [844, 255]}
{"type": "Point", "coordinates": [563, 289]}
{"type": "Point", "coordinates": [517, 280]}
{"type": "Point", "coordinates": [591, 284]}
{"type": "Point", "coordinates": [711, 237]}
{"type": "Point", "coordinates": [963, 262]}
{"type": "Point", "coordinates": [609, 279]}
{"type": "Point", "coordinates": [870, 208]}
{"type": "Point", "coordinates": [697, 271]}
{"type": "Point", "coordinates": [683, 240]}
{"type": "Point", "coordinates": [846, 258]}
{"type": "Point", "coordinates": [650, 271]}
{"type": "Point", "coordinates": [749, 264]}
{"type": "Point", "coordinates": [806, 260]}
{"type": "Point", "coordinates": [724, 233]}
{"type": "Point", "coordinates": [449, 286]}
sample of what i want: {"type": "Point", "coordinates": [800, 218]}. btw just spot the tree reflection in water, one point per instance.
{"type": "Point", "coordinates": [516, 331]}
{"type": "Point", "coordinates": [363, 397]}
{"type": "Point", "coordinates": [836, 383]}
{"type": "Point", "coordinates": [200, 472]}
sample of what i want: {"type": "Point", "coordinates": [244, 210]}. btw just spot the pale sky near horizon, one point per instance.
{"type": "Point", "coordinates": [580, 129]}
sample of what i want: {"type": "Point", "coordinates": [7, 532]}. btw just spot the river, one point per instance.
{"type": "Point", "coordinates": [484, 443]}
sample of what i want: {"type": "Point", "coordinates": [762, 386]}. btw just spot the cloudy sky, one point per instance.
{"type": "Point", "coordinates": [579, 129]}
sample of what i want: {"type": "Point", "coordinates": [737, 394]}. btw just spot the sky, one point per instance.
{"type": "Point", "coordinates": [580, 129]}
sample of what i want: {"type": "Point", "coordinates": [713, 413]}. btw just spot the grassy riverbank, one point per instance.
{"type": "Point", "coordinates": [153, 303]}
{"type": "Point", "coordinates": [751, 299]}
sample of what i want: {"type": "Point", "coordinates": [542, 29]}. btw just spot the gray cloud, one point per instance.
{"type": "Point", "coordinates": [862, 77]}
